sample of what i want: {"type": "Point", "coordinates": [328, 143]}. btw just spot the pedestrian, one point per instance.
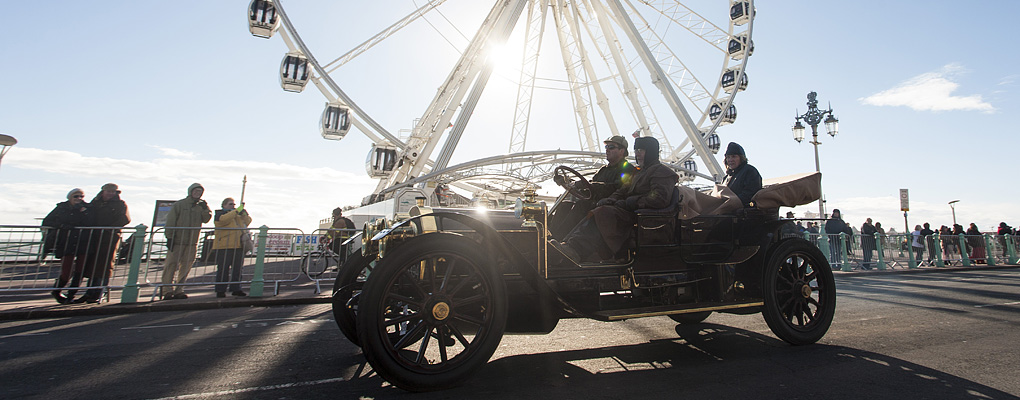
{"type": "Point", "coordinates": [1002, 233]}
{"type": "Point", "coordinates": [977, 242]}
{"type": "Point", "coordinates": [947, 244]}
{"type": "Point", "coordinates": [881, 235]}
{"type": "Point", "coordinates": [229, 249]}
{"type": "Point", "coordinates": [868, 232]}
{"type": "Point", "coordinates": [833, 227]}
{"type": "Point", "coordinates": [339, 231]}
{"type": "Point", "coordinates": [183, 225]}
{"type": "Point", "coordinates": [742, 178]}
{"type": "Point", "coordinates": [65, 240]}
{"type": "Point", "coordinates": [107, 214]}
{"type": "Point", "coordinates": [916, 243]}
{"type": "Point", "coordinates": [929, 242]}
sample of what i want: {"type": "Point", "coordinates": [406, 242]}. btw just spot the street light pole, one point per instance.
{"type": "Point", "coordinates": [812, 117]}
{"type": "Point", "coordinates": [952, 205]}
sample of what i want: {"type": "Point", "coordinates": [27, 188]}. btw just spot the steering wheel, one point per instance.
{"type": "Point", "coordinates": [583, 189]}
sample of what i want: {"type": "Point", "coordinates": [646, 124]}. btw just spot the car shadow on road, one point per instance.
{"type": "Point", "coordinates": [707, 361]}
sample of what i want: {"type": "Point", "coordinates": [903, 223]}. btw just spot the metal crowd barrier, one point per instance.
{"type": "Point", "coordinates": [325, 251]}
{"type": "Point", "coordinates": [134, 260]}
{"type": "Point", "coordinates": [274, 259]}
{"type": "Point", "coordinates": [848, 252]}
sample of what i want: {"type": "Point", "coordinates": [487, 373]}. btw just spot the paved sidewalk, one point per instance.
{"type": "Point", "coordinates": [42, 305]}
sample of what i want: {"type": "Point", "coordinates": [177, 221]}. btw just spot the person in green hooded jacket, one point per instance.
{"type": "Point", "coordinates": [183, 225]}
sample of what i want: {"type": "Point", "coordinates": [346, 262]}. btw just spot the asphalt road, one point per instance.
{"type": "Point", "coordinates": [936, 335]}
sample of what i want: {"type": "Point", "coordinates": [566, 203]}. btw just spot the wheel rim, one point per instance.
{"type": "Point", "coordinates": [437, 311]}
{"type": "Point", "coordinates": [799, 292]}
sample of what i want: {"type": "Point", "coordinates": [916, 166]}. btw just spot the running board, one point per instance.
{"type": "Point", "coordinates": [620, 315]}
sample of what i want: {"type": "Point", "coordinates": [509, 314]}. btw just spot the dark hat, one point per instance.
{"type": "Point", "coordinates": [648, 143]}
{"type": "Point", "coordinates": [617, 140]}
{"type": "Point", "coordinates": [110, 186]}
{"type": "Point", "coordinates": [734, 149]}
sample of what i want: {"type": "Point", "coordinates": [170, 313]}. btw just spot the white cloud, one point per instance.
{"type": "Point", "coordinates": [169, 152]}
{"type": "Point", "coordinates": [278, 195]}
{"type": "Point", "coordinates": [932, 91]}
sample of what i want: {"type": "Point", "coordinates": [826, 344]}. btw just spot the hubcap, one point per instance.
{"type": "Point", "coordinates": [805, 291]}
{"type": "Point", "coordinates": [440, 311]}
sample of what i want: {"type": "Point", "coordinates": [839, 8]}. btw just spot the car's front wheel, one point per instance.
{"type": "Point", "coordinates": [432, 313]}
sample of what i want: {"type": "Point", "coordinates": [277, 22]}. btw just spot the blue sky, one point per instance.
{"type": "Point", "coordinates": [155, 97]}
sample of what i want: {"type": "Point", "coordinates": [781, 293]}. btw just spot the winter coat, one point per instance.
{"type": "Point", "coordinates": [745, 181]}
{"type": "Point", "coordinates": [104, 242]}
{"type": "Point", "coordinates": [611, 178]}
{"type": "Point", "coordinates": [186, 213]}
{"type": "Point", "coordinates": [868, 236]}
{"type": "Point", "coordinates": [974, 238]}
{"type": "Point", "coordinates": [651, 188]}
{"type": "Point", "coordinates": [230, 238]}
{"type": "Point", "coordinates": [65, 236]}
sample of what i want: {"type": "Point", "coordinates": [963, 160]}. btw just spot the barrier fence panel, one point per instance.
{"type": "Point", "coordinates": [850, 252]}
{"type": "Point", "coordinates": [280, 259]}
{"type": "Point", "coordinates": [91, 261]}
{"type": "Point", "coordinates": [36, 259]}
{"type": "Point", "coordinates": [325, 251]}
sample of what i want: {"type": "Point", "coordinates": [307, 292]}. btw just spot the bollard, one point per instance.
{"type": "Point", "coordinates": [938, 254]}
{"type": "Point", "coordinates": [258, 282]}
{"type": "Point", "coordinates": [963, 251]}
{"type": "Point", "coordinates": [879, 239]}
{"type": "Point", "coordinates": [843, 241]}
{"type": "Point", "coordinates": [823, 245]}
{"type": "Point", "coordinates": [912, 263]}
{"type": "Point", "coordinates": [1011, 249]}
{"type": "Point", "coordinates": [130, 292]}
{"type": "Point", "coordinates": [989, 253]}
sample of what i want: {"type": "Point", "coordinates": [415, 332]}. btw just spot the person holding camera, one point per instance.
{"type": "Point", "coordinates": [183, 225]}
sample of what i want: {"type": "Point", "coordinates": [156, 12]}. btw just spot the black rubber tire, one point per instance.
{"type": "Point", "coordinates": [453, 299]}
{"type": "Point", "coordinates": [800, 292]}
{"type": "Point", "coordinates": [347, 291]}
{"type": "Point", "coordinates": [690, 318]}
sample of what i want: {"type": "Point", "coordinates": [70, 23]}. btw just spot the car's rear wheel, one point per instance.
{"type": "Point", "coordinates": [690, 318]}
{"type": "Point", "coordinates": [800, 292]}
{"type": "Point", "coordinates": [432, 313]}
{"type": "Point", "coordinates": [347, 292]}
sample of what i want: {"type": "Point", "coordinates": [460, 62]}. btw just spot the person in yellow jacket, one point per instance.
{"type": "Point", "coordinates": [229, 249]}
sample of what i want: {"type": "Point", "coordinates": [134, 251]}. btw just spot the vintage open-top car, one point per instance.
{"type": "Point", "coordinates": [429, 297]}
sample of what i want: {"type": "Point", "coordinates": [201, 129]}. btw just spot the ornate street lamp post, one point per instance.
{"type": "Point", "coordinates": [952, 205]}
{"type": "Point", "coordinates": [812, 117]}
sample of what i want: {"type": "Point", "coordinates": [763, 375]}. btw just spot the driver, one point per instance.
{"type": "Point", "coordinates": [610, 225]}
{"type": "Point", "coordinates": [607, 180]}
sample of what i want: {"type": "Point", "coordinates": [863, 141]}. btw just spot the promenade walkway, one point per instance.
{"type": "Point", "coordinates": [40, 305]}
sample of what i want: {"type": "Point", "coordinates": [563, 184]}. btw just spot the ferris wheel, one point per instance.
{"type": "Point", "coordinates": [659, 68]}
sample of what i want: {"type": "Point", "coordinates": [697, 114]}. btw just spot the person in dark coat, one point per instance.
{"type": "Point", "coordinates": [65, 240]}
{"type": "Point", "coordinates": [107, 212]}
{"type": "Point", "coordinates": [929, 240]}
{"type": "Point", "coordinates": [604, 233]}
{"type": "Point", "coordinates": [742, 178]}
{"type": "Point", "coordinates": [833, 227]}
{"type": "Point", "coordinates": [977, 242]}
{"type": "Point", "coordinates": [868, 232]}
{"type": "Point", "coordinates": [607, 180]}
{"type": "Point", "coordinates": [1004, 229]}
